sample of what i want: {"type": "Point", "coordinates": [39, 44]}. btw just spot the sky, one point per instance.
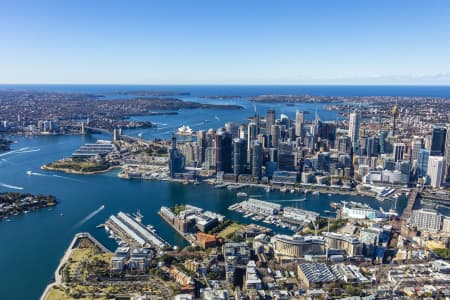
{"type": "Point", "coordinates": [225, 42]}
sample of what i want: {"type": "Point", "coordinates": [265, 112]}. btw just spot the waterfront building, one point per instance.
{"type": "Point", "coordinates": [353, 130]}
{"type": "Point", "coordinates": [438, 136]}
{"type": "Point", "coordinates": [297, 246]}
{"type": "Point", "coordinates": [176, 159]}
{"type": "Point", "coordinates": [89, 151]}
{"type": "Point", "coordinates": [436, 170]}
{"type": "Point", "coordinates": [299, 123]}
{"type": "Point", "coordinates": [270, 119]}
{"type": "Point", "coordinates": [261, 207]}
{"type": "Point", "coordinates": [351, 245]}
{"type": "Point", "coordinates": [447, 155]}
{"type": "Point", "coordinates": [426, 219]}
{"type": "Point", "coordinates": [358, 212]}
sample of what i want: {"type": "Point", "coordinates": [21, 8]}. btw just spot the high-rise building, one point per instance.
{"type": "Point", "coordinates": [286, 158]}
{"type": "Point", "coordinates": [353, 130]}
{"type": "Point", "coordinates": [232, 128]}
{"type": "Point", "coordinates": [438, 137]}
{"type": "Point", "coordinates": [343, 144]}
{"type": "Point", "coordinates": [299, 121]}
{"type": "Point", "coordinates": [270, 119]}
{"type": "Point", "coordinates": [435, 170]}
{"type": "Point", "coordinates": [276, 135]}
{"type": "Point", "coordinates": [372, 146]}
{"type": "Point", "coordinates": [422, 162]}
{"type": "Point", "coordinates": [239, 155]}
{"type": "Point", "coordinates": [382, 142]}
{"type": "Point", "coordinates": [251, 136]}
{"type": "Point", "coordinates": [257, 159]}
{"type": "Point", "coordinates": [399, 150]}
{"type": "Point", "coordinates": [176, 159]}
{"type": "Point", "coordinates": [223, 151]}
{"type": "Point", "coordinates": [416, 145]}
{"type": "Point", "coordinates": [447, 155]}
{"type": "Point", "coordinates": [202, 145]}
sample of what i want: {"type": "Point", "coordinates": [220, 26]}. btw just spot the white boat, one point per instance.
{"type": "Point", "coordinates": [316, 193]}
{"type": "Point", "coordinates": [268, 189]}
{"type": "Point", "coordinates": [29, 173]}
{"type": "Point", "coordinates": [242, 194]}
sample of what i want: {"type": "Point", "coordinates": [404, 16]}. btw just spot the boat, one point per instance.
{"type": "Point", "coordinates": [242, 194]}
{"type": "Point", "coordinates": [268, 189]}
{"type": "Point", "coordinates": [316, 193]}
{"type": "Point", "coordinates": [283, 190]}
{"type": "Point", "coordinates": [29, 173]}
{"type": "Point", "coordinates": [292, 191]}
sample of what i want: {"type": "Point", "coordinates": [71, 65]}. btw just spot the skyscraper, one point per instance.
{"type": "Point", "coordinates": [176, 159]}
{"type": "Point", "coordinates": [270, 119]}
{"type": "Point", "coordinates": [399, 150]}
{"type": "Point", "coordinates": [257, 159]}
{"type": "Point", "coordinates": [251, 136]}
{"type": "Point", "coordinates": [232, 128]}
{"type": "Point", "coordinates": [276, 135]}
{"type": "Point", "coordinates": [438, 137]}
{"type": "Point", "coordinates": [416, 145]}
{"type": "Point", "coordinates": [299, 121]}
{"type": "Point", "coordinates": [239, 156]}
{"type": "Point", "coordinates": [223, 151]}
{"type": "Point", "coordinates": [353, 130]}
{"type": "Point", "coordinates": [422, 162]}
{"type": "Point", "coordinates": [435, 171]}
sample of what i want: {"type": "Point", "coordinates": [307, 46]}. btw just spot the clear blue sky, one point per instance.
{"type": "Point", "coordinates": [215, 41]}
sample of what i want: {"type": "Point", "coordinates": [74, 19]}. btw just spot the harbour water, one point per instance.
{"type": "Point", "coordinates": [32, 244]}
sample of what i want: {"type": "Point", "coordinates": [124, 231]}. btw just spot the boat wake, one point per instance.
{"type": "Point", "coordinates": [11, 186]}
{"type": "Point", "coordinates": [19, 151]}
{"type": "Point", "coordinates": [31, 173]}
{"type": "Point", "coordinates": [67, 178]}
{"type": "Point", "coordinates": [90, 216]}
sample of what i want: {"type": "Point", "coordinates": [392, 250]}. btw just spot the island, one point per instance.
{"type": "Point", "coordinates": [13, 204]}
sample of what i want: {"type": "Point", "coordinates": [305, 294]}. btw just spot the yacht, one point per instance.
{"type": "Point", "coordinates": [242, 194]}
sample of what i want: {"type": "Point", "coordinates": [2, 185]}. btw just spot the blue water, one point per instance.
{"type": "Point", "coordinates": [32, 244]}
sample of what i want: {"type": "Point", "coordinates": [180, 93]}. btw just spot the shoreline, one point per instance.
{"type": "Point", "coordinates": [70, 171]}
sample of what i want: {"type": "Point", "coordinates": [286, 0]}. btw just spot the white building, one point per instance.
{"type": "Point", "coordinates": [436, 170]}
{"type": "Point", "coordinates": [426, 219]}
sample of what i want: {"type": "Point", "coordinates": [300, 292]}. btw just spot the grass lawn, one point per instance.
{"type": "Point", "coordinates": [229, 230]}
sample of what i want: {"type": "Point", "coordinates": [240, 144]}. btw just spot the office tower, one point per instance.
{"type": "Point", "coordinates": [251, 136]}
{"type": "Point", "coordinates": [276, 135]}
{"type": "Point", "coordinates": [422, 162]}
{"type": "Point", "coordinates": [223, 151]}
{"type": "Point", "coordinates": [447, 155]}
{"type": "Point", "coordinates": [286, 159]}
{"type": "Point", "coordinates": [232, 128]}
{"type": "Point", "coordinates": [426, 219]}
{"type": "Point", "coordinates": [257, 158]}
{"type": "Point", "coordinates": [382, 141]}
{"type": "Point", "coordinates": [399, 150]}
{"type": "Point", "coordinates": [263, 139]}
{"type": "Point", "coordinates": [394, 113]}
{"type": "Point", "coordinates": [353, 130]}
{"type": "Point", "coordinates": [438, 136]}
{"type": "Point", "coordinates": [239, 155]}
{"type": "Point", "coordinates": [270, 119]}
{"type": "Point", "coordinates": [176, 160]}
{"type": "Point", "coordinates": [323, 161]}
{"type": "Point", "coordinates": [343, 144]}
{"type": "Point", "coordinates": [299, 122]}
{"type": "Point", "coordinates": [372, 146]}
{"type": "Point", "coordinates": [243, 132]}
{"type": "Point", "coordinates": [435, 170]}
{"type": "Point", "coordinates": [202, 145]}
{"type": "Point", "coordinates": [210, 138]}
{"type": "Point", "coordinates": [416, 145]}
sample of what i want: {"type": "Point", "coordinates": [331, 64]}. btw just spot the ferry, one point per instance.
{"type": "Point", "coordinates": [242, 194]}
